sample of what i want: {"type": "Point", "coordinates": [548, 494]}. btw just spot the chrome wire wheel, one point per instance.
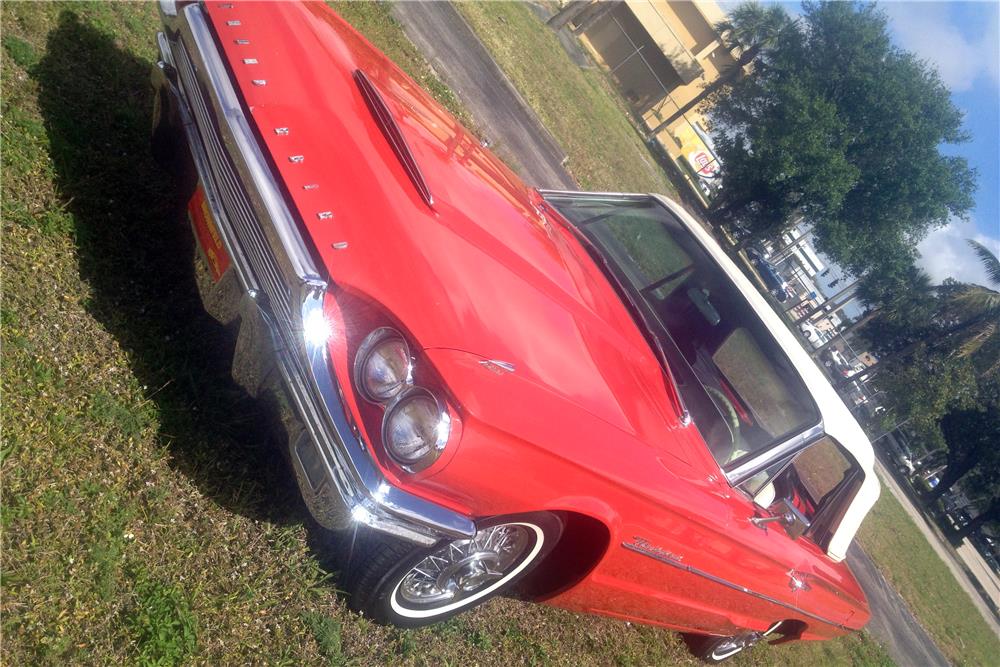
{"type": "Point", "coordinates": [463, 571]}
{"type": "Point", "coordinates": [729, 647]}
{"type": "Point", "coordinates": [714, 650]}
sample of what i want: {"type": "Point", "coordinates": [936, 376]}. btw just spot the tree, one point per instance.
{"type": "Point", "coordinates": [951, 318]}
{"type": "Point", "coordinates": [970, 436]}
{"type": "Point", "coordinates": [748, 30]}
{"type": "Point", "coordinates": [977, 309]}
{"type": "Point", "coordinates": [842, 127]}
{"type": "Point", "coordinates": [989, 515]}
{"type": "Point", "coordinates": [922, 387]}
{"type": "Point", "coordinates": [908, 305]}
{"type": "Point", "coordinates": [982, 481]}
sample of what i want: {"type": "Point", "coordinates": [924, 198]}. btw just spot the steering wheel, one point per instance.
{"type": "Point", "coordinates": [729, 412]}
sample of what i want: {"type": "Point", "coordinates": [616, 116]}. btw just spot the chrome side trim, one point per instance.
{"type": "Point", "coordinates": [638, 548]}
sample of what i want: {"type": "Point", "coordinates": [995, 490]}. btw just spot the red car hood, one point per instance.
{"type": "Point", "coordinates": [482, 270]}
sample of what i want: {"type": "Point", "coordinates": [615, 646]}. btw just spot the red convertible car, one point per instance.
{"type": "Point", "coordinates": [489, 388]}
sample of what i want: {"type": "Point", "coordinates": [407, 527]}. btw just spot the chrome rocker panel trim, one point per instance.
{"type": "Point", "coordinates": [350, 488]}
{"type": "Point", "coordinates": [639, 547]}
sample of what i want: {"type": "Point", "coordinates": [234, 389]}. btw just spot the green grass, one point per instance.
{"type": "Point", "coordinates": [326, 631]}
{"type": "Point", "coordinates": [145, 518]}
{"type": "Point", "coordinates": [162, 624]}
{"type": "Point", "coordinates": [579, 107]}
{"type": "Point", "coordinates": [375, 21]}
{"type": "Point", "coordinates": [902, 553]}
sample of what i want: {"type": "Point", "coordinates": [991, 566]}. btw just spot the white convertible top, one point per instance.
{"type": "Point", "coordinates": [838, 422]}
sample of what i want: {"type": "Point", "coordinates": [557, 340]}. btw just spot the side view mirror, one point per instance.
{"type": "Point", "coordinates": [788, 515]}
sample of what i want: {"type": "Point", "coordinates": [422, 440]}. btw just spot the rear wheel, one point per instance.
{"type": "Point", "coordinates": [399, 584]}
{"type": "Point", "coordinates": [714, 650]}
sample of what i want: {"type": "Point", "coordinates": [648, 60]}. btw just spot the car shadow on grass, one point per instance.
{"type": "Point", "coordinates": [135, 251]}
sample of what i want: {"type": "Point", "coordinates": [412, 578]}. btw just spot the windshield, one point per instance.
{"type": "Point", "coordinates": [739, 386]}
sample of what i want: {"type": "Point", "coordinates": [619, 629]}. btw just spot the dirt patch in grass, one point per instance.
{"type": "Point", "coordinates": [145, 518]}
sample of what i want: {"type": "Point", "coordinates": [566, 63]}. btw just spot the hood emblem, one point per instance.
{"type": "Point", "coordinates": [497, 366]}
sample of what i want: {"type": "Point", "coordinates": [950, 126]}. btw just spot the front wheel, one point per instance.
{"type": "Point", "coordinates": [410, 586]}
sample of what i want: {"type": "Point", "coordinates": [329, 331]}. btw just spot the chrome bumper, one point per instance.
{"type": "Point", "coordinates": [281, 289]}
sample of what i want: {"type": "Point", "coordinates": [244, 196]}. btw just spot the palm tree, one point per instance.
{"type": "Point", "coordinates": [977, 309]}
{"type": "Point", "coordinates": [962, 318]}
{"type": "Point", "coordinates": [750, 28]}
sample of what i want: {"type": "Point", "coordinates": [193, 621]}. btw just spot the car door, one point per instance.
{"type": "Point", "coordinates": [819, 484]}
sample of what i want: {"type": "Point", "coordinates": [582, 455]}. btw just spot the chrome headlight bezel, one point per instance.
{"type": "Point", "coordinates": [370, 346]}
{"type": "Point", "coordinates": [441, 429]}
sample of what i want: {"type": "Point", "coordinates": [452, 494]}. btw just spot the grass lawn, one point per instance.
{"type": "Point", "coordinates": [582, 111]}
{"type": "Point", "coordinates": [901, 552]}
{"type": "Point", "coordinates": [145, 518]}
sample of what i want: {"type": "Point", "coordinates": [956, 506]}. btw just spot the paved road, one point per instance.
{"type": "Point", "coordinates": [947, 554]}
{"type": "Point", "coordinates": [891, 623]}
{"type": "Point", "coordinates": [463, 63]}
{"type": "Point", "coordinates": [979, 568]}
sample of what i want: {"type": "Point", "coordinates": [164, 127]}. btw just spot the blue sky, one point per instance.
{"type": "Point", "coordinates": [961, 40]}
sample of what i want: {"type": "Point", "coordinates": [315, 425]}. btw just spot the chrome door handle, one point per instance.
{"type": "Point", "coordinates": [797, 582]}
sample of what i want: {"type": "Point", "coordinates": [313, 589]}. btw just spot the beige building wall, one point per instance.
{"type": "Point", "coordinates": [663, 54]}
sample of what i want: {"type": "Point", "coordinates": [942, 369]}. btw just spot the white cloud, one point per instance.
{"type": "Point", "coordinates": [926, 29]}
{"type": "Point", "coordinates": [945, 253]}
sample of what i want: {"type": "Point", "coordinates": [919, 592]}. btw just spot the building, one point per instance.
{"type": "Point", "coordinates": [663, 53]}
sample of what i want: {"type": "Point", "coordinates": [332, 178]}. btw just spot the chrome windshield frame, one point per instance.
{"type": "Point", "coordinates": [766, 456]}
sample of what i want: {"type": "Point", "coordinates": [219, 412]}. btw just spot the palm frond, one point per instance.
{"type": "Point", "coordinates": [989, 260]}
{"type": "Point", "coordinates": [995, 367]}
{"type": "Point", "coordinates": [751, 25]}
{"type": "Point", "coordinates": [978, 338]}
{"type": "Point", "coordinates": [975, 300]}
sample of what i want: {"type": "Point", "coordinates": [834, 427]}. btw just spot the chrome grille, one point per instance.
{"type": "Point", "coordinates": [235, 202]}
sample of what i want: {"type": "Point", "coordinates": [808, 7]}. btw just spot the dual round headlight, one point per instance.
{"type": "Point", "coordinates": [416, 425]}
{"type": "Point", "coordinates": [415, 429]}
{"type": "Point", "coordinates": [383, 368]}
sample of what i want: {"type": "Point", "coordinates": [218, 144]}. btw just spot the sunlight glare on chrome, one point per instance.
{"type": "Point", "coordinates": [316, 328]}
{"type": "Point", "coordinates": [443, 429]}
{"type": "Point", "coordinates": [361, 514]}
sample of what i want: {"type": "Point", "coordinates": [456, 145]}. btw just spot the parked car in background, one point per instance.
{"type": "Point", "coordinates": [812, 334]}
{"type": "Point", "coordinates": [835, 361]}
{"type": "Point", "coordinates": [483, 386]}
{"type": "Point", "coordinates": [959, 518]}
{"type": "Point", "coordinates": [769, 275]}
{"type": "Point", "coordinates": [899, 454]}
{"type": "Point", "coordinates": [988, 547]}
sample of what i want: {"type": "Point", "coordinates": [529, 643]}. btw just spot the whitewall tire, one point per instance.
{"type": "Point", "coordinates": [423, 586]}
